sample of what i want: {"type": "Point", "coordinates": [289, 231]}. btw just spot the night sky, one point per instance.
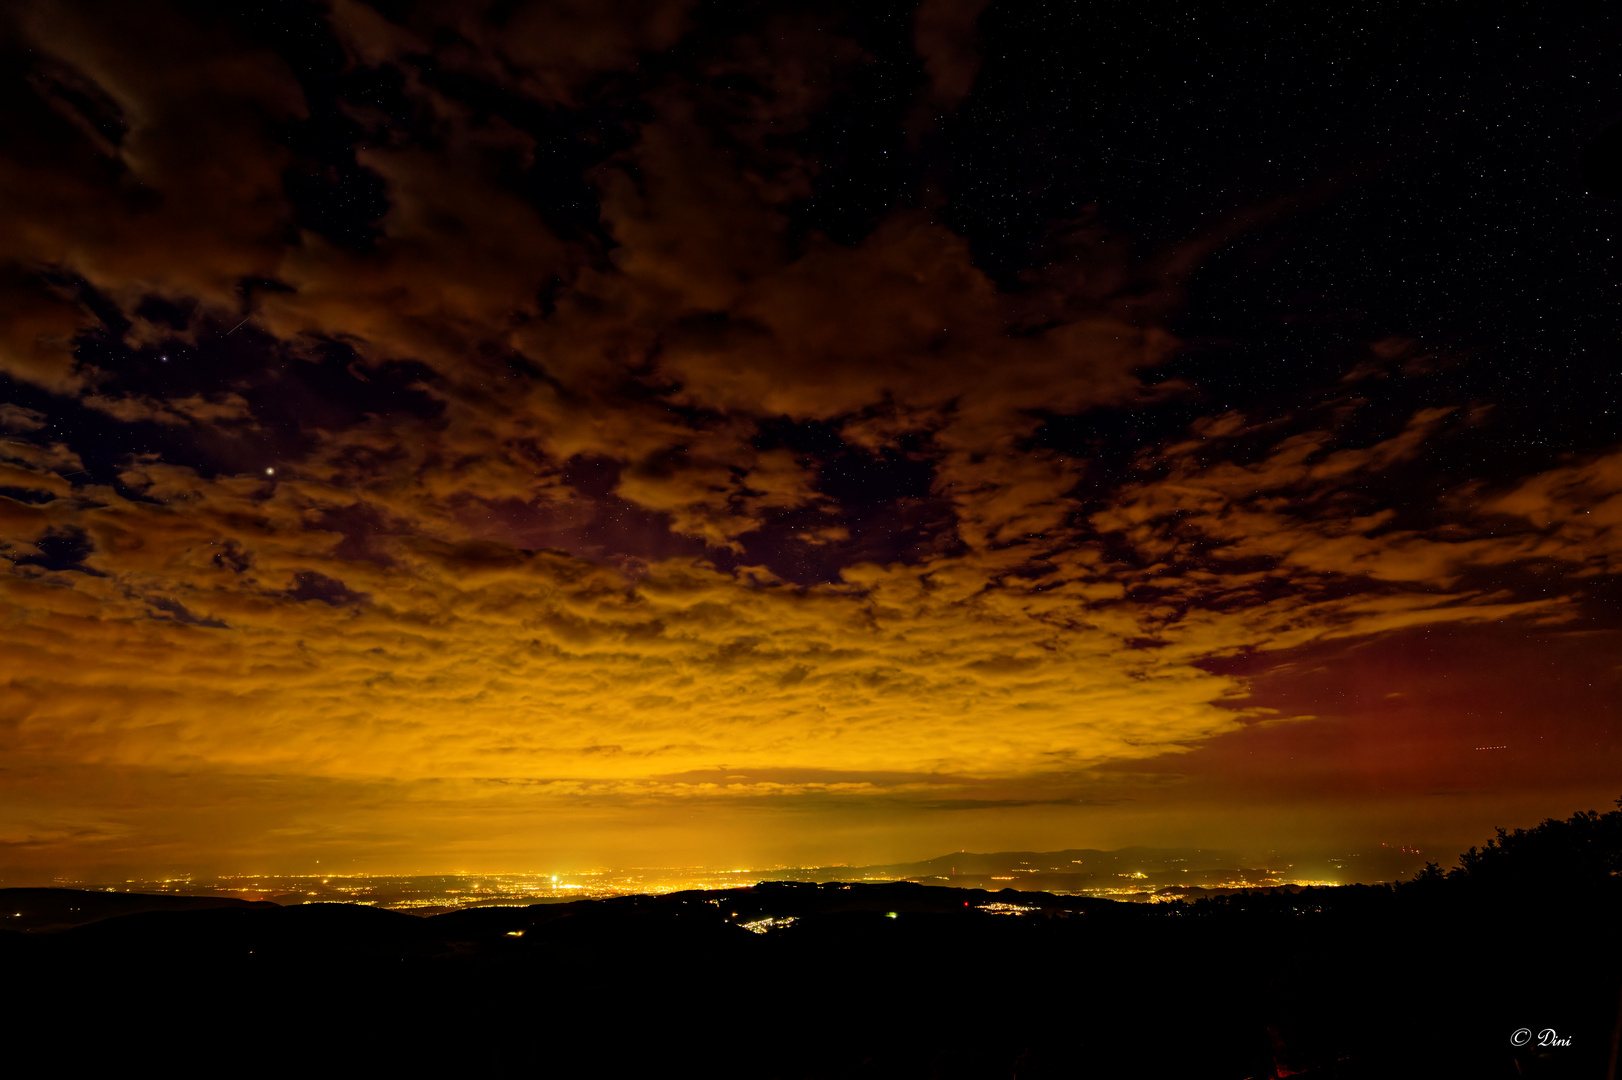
{"type": "Point", "coordinates": [502, 435]}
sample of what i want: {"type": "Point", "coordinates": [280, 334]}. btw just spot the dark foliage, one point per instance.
{"type": "Point", "coordinates": [1585, 850]}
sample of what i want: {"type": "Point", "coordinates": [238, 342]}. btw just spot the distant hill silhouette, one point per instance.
{"type": "Point", "coordinates": [1139, 871]}
{"type": "Point", "coordinates": [34, 910]}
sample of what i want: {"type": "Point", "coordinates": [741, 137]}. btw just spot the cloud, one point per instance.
{"type": "Point", "coordinates": [1576, 510]}
{"type": "Point", "coordinates": [1299, 507]}
{"type": "Point", "coordinates": [184, 195]}
{"type": "Point", "coordinates": [895, 670]}
{"type": "Point", "coordinates": [196, 408]}
{"type": "Point", "coordinates": [541, 50]}
{"type": "Point", "coordinates": [19, 419]}
{"type": "Point", "coordinates": [944, 31]}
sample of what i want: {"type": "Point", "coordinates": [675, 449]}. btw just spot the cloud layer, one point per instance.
{"type": "Point", "coordinates": [669, 501]}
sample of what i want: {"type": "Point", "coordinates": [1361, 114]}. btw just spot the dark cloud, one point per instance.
{"type": "Point", "coordinates": [310, 585]}
{"type": "Point", "coordinates": [179, 612]}
{"type": "Point", "coordinates": [59, 550]}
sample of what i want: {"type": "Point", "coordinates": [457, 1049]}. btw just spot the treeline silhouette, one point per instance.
{"type": "Point", "coordinates": [1584, 851]}
{"type": "Point", "coordinates": [1432, 977]}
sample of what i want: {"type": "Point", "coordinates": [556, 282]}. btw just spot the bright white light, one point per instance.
{"type": "Point", "coordinates": [270, 472]}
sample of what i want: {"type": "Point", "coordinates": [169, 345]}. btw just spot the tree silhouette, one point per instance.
{"type": "Point", "coordinates": [1583, 851]}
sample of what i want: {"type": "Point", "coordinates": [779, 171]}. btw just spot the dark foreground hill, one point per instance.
{"type": "Point", "coordinates": [1430, 979]}
{"type": "Point", "coordinates": [35, 910]}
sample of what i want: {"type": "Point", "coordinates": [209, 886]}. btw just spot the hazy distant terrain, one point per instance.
{"type": "Point", "coordinates": [1136, 874]}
